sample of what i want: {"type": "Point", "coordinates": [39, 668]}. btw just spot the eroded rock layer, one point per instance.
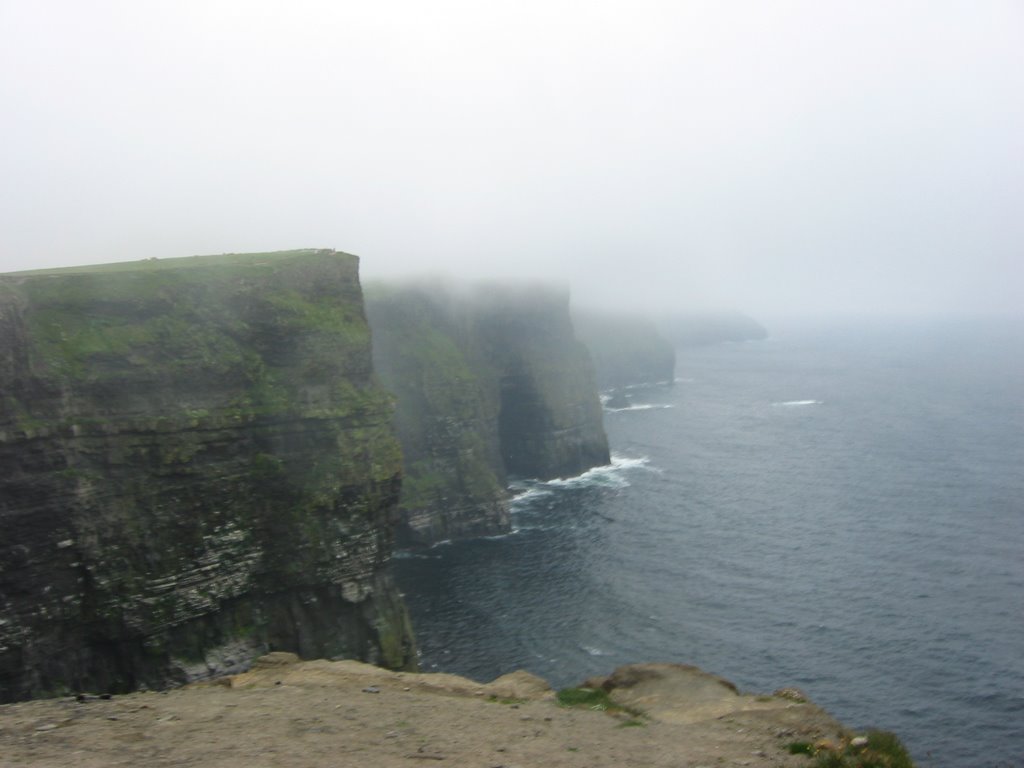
{"type": "Point", "coordinates": [195, 466]}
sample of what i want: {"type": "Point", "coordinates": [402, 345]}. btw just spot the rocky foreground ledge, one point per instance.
{"type": "Point", "coordinates": [320, 713]}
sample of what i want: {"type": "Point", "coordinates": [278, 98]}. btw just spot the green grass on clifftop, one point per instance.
{"type": "Point", "coordinates": [882, 750]}
{"type": "Point", "coordinates": [596, 699]}
{"type": "Point", "coordinates": [220, 261]}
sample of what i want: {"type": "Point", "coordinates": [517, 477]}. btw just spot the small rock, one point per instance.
{"type": "Point", "coordinates": [275, 659]}
{"type": "Point", "coordinates": [859, 741]}
{"type": "Point", "coordinates": [793, 694]}
{"type": "Point", "coordinates": [519, 685]}
{"type": "Point", "coordinates": [47, 727]}
{"type": "Point", "coordinates": [371, 689]}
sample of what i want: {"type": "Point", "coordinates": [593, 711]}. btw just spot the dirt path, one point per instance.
{"type": "Point", "coordinates": [319, 714]}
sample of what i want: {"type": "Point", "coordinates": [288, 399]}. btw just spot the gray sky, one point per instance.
{"type": "Point", "coordinates": [764, 155]}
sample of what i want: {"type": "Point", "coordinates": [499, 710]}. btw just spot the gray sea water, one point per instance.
{"type": "Point", "coordinates": [839, 508]}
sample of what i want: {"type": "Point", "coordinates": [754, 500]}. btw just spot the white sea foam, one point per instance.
{"type": "Point", "coordinates": [408, 554]}
{"type": "Point", "coordinates": [608, 475]}
{"type": "Point", "coordinates": [798, 402]}
{"type": "Point", "coordinates": [499, 536]}
{"type": "Point", "coordinates": [593, 651]}
{"type": "Point", "coordinates": [626, 462]}
{"type": "Point", "coordinates": [639, 407]}
{"type": "Point", "coordinates": [517, 528]}
{"type": "Point", "coordinates": [530, 494]}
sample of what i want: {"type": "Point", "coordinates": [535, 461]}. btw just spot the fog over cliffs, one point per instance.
{"type": "Point", "coordinates": [764, 157]}
{"type": "Point", "coordinates": [201, 460]}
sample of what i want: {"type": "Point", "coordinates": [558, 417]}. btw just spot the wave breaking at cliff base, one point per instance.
{"type": "Point", "coordinates": [639, 407]}
{"type": "Point", "coordinates": [608, 476]}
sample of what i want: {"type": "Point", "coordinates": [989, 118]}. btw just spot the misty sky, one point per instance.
{"type": "Point", "coordinates": [765, 156]}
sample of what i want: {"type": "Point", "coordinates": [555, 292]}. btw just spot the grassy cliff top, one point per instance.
{"type": "Point", "coordinates": [255, 325]}
{"type": "Point", "coordinates": [224, 260]}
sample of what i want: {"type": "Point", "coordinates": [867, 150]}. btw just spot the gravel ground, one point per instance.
{"type": "Point", "coordinates": [318, 714]}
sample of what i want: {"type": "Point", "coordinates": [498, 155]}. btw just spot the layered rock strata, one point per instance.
{"type": "Point", "coordinates": [196, 465]}
{"type": "Point", "coordinates": [491, 382]}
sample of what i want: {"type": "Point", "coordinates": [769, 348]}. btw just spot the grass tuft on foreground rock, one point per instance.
{"type": "Point", "coordinates": [596, 699]}
{"type": "Point", "coordinates": [878, 749]}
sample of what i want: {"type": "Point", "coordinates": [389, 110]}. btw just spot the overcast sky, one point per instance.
{"type": "Point", "coordinates": [765, 155]}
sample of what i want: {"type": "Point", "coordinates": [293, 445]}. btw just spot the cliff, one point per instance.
{"type": "Point", "coordinates": [626, 348]}
{"type": "Point", "coordinates": [196, 465]}
{"type": "Point", "coordinates": [490, 382]}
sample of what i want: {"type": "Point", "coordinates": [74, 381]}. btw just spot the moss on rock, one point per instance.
{"type": "Point", "coordinates": [193, 451]}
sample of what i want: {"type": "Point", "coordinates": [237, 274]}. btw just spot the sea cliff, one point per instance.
{"type": "Point", "coordinates": [196, 465]}
{"type": "Point", "coordinates": [491, 382]}
{"type": "Point", "coordinates": [627, 349]}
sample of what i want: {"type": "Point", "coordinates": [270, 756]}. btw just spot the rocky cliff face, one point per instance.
{"type": "Point", "coordinates": [627, 349]}
{"type": "Point", "coordinates": [195, 466]}
{"type": "Point", "coordinates": [490, 381]}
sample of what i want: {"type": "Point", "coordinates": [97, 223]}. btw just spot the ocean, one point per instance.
{"type": "Point", "coordinates": [838, 508]}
